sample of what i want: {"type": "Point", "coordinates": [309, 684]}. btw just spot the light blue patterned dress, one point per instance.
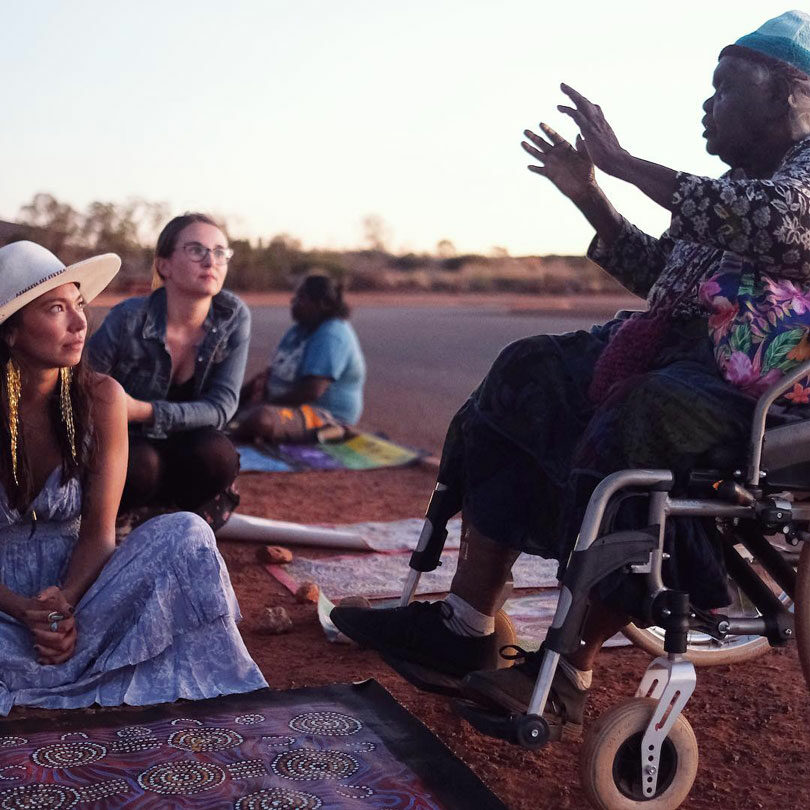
{"type": "Point", "coordinates": [159, 622]}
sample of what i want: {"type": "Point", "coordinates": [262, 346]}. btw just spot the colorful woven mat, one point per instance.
{"type": "Point", "coordinates": [363, 451]}
{"type": "Point", "coordinates": [380, 576]}
{"type": "Point", "coordinates": [392, 536]}
{"type": "Point", "coordinates": [331, 748]}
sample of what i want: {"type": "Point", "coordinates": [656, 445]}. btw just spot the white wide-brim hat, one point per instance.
{"type": "Point", "coordinates": [28, 270]}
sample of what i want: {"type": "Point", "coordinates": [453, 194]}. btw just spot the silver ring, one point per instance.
{"type": "Point", "coordinates": [54, 618]}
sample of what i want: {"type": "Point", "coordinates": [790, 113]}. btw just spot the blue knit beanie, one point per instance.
{"type": "Point", "coordinates": [785, 38]}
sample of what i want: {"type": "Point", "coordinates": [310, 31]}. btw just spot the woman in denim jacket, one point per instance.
{"type": "Point", "coordinates": [180, 355]}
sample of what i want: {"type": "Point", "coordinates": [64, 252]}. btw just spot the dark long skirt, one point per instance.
{"type": "Point", "coordinates": [528, 447]}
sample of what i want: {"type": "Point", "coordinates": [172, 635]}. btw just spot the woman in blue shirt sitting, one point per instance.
{"type": "Point", "coordinates": [316, 375]}
{"type": "Point", "coordinates": [180, 356]}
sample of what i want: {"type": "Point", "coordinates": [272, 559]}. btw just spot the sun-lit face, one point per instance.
{"type": "Point", "coordinates": [51, 330]}
{"type": "Point", "coordinates": [182, 273]}
{"type": "Point", "coordinates": [740, 113]}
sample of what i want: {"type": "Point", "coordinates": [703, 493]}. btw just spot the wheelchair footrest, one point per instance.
{"type": "Point", "coordinates": [526, 730]}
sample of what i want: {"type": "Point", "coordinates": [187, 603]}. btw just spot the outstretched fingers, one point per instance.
{"type": "Point", "coordinates": [539, 142]}
{"type": "Point", "coordinates": [579, 119]}
{"type": "Point", "coordinates": [535, 153]}
{"type": "Point", "coordinates": [584, 112]}
{"type": "Point", "coordinates": [539, 148]}
{"type": "Point", "coordinates": [552, 134]}
{"type": "Point", "coordinates": [580, 102]}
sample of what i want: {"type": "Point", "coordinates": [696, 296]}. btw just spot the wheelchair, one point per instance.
{"type": "Point", "coordinates": [643, 753]}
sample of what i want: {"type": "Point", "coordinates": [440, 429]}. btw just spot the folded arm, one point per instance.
{"type": "Point", "coordinates": [303, 390]}
{"type": "Point", "coordinates": [220, 398]}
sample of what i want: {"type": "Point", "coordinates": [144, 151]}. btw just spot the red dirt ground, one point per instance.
{"type": "Point", "coordinates": [752, 720]}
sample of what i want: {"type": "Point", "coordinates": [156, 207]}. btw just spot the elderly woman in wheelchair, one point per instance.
{"type": "Point", "coordinates": [628, 452]}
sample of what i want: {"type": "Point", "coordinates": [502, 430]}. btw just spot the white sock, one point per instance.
{"type": "Point", "coordinates": [581, 678]}
{"type": "Point", "coordinates": [465, 620]}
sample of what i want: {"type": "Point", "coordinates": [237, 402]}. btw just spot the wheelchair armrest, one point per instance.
{"type": "Point", "coordinates": [763, 405]}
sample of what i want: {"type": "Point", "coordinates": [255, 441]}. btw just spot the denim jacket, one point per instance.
{"type": "Point", "coordinates": [130, 345]}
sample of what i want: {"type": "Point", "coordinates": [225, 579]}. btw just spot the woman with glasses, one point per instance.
{"type": "Point", "coordinates": [180, 355]}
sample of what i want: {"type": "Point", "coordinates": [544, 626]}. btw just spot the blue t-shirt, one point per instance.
{"type": "Point", "coordinates": [333, 351]}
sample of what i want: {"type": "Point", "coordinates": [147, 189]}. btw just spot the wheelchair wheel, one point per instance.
{"type": "Point", "coordinates": [802, 611]}
{"type": "Point", "coordinates": [610, 762]}
{"type": "Point", "coordinates": [703, 650]}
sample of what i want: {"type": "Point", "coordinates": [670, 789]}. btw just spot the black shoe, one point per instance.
{"type": "Point", "coordinates": [417, 634]}
{"type": "Point", "coordinates": [511, 690]}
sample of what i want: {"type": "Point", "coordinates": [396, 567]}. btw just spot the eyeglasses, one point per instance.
{"type": "Point", "coordinates": [197, 253]}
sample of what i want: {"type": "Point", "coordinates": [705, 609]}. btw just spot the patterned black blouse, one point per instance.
{"type": "Point", "coordinates": [766, 221]}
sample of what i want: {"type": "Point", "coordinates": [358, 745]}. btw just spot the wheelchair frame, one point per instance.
{"type": "Point", "coordinates": [670, 679]}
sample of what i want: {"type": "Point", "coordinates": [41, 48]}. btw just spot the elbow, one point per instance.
{"type": "Point", "coordinates": [223, 413]}
{"type": "Point", "coordinates": [790, 250]}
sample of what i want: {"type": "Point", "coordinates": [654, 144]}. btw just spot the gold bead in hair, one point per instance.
{"type": "Point", "coordinates": [13, 397]}
{"type": "Point", "coordinates": [66, 407]}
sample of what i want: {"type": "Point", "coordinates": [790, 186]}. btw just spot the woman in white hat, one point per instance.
{"type": "Point", "coordinates": [82, 622]}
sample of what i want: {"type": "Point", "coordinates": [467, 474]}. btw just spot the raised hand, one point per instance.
{"type": "Point", "coordinates": [570, 169]}
{"type": "Point", "coordinates": [597, 135]}
{"type": "Point", "coordinates": [54, 639]}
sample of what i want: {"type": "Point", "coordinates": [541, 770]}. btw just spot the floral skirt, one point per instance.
{"type": "Point", "coordinates": [528, 447]}
{"type": "Point", "coordinates": [158, 623]}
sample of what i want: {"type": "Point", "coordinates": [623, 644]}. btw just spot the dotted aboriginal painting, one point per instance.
{"type": "Point", "coordinates": [307, 749]}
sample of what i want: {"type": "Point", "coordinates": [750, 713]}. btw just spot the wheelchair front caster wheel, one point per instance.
{"type": "Point", "coordinates": [610, 768]}
{"type": "Point", "coordinates": [531, 732]}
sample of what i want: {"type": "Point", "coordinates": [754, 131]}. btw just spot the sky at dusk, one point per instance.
{"type": "Point", "coordinates": [304, 117]}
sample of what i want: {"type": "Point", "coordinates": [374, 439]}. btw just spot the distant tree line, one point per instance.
{"type": "Point", "coordinates": [130, 229]}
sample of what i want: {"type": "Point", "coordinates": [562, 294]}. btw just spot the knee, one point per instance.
{"type": "Point", "coordinates": [192, 526]}
{"type": "Point", "coordinates": [258, 422]}
{"type": "Point", "coordinates": [266, 421]}
{"type": "Point", "coordinates": [178, 533]}
{"type": "Point", "coordinates": [212, 455]}
{"type": "Point", "coordinates": [652, 396]}
{"type": "Point", "coordinates": [533, 357]}
{"type": "Point", "coordinates": [539, 347]}
{"type": "Point", "coordinates": [144, 472]}
{"type": "Point", "coordinates": [144, 461]}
